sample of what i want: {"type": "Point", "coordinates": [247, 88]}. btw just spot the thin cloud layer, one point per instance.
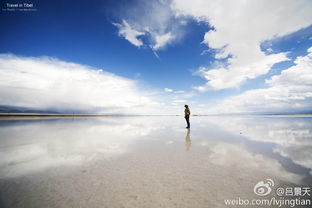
{"type": "Point", "coordinates": [239, 29]}
{"type": "Point", "coordinates": [130, 34]}
{"type": "Point", "coordinates": [154, 20]}
{"type": "Point", "coordinates": [162, 40]}
{"type": "Point", "coordinates": [48, 83]}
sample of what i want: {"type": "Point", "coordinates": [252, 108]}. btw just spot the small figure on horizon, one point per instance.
{"type": "Point", "coordinates": [187, 114]}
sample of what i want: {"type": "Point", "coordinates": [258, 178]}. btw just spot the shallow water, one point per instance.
{"type": "Point", "coordinates": [150, 161]}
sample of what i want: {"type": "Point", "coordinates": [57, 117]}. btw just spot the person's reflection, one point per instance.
{"type": "Point", "coordinates": [188, 141]}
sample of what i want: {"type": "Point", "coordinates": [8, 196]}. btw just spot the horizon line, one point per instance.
{"type": "Point", "coordinates": [132, 115]}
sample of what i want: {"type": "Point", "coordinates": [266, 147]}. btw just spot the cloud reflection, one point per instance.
{"type": "Point", "coordinates": [31, 146]}
{"type": "Point", "coordinates": [257, 146]}
{"type": "Point", "coordinates": [291, 137]}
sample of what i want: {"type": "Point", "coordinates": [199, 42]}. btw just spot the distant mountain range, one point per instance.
{"type": "Point", "coordinates": [17, 109]}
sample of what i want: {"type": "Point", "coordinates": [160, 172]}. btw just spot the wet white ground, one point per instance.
{"type": "Point", "coordinates": [149, 161]}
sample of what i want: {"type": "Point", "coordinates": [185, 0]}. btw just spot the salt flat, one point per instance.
{"type": "Point", "coordinates": [150, 161]}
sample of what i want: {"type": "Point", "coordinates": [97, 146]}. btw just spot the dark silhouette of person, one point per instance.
{"type": "Point", "coordinates": [187, 114]}
{"type": "Point", "coordinates": [188, 141]}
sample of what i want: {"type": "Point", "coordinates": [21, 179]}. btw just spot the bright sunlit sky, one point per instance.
{"type": "Point", "coordinates": [152, 57]}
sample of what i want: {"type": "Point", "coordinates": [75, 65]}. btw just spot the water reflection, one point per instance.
{"type": "Point", "coordinates": [287, 141]}
{"type": "Point", "coordinates": [141, 161]}
{"type": "Point", "coordinates": [290, 137]}
{"type": "Point", "coordinates": [34, 145]}
{"type": "Point", "coordinates": [188, 141]}
{"type": "Point", "coordinates": [278, 146]}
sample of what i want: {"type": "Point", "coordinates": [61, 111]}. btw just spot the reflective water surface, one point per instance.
{"type": "Point", "coordinates": [149, 161]}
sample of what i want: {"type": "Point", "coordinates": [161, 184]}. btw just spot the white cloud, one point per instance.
{"type": "Point", "coordinates": [179, 92]}
{"type": "Point", "coordinates": [233, 75]}
{"type": "Point", "coordinates": [239, 29]}
{"type": "Point", "coordinates": [290, 91]}
{"type": "Point", "coordinates": [168, 90]}
{"type": "Point", "coordinates": [162, 40]}
{"type": "Point", "coordinates": [298, 75]}
{"type": "Point", "coordinates": [155, 20]}
{"type": "Point", "coordinates": [130, 34]}
{"type": "Point", "coordinates": [269, 50]}
{"type": "Point", "coordinates": [174, 91]}
{"type": "Point", "coordinates": [50, 83]}
{"type": "Point", "coordinates": [179, 101]}
{"type": "Point", "coordinates": [175, 99]}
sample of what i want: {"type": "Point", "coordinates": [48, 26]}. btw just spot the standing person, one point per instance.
{"type": "Point", "coordinates": [187, 114]}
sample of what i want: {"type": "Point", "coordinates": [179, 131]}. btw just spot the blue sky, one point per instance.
{"type": "Point", "coordinates": [184, 53]}
{"type": "Point", "coordinates": [61, 31]}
